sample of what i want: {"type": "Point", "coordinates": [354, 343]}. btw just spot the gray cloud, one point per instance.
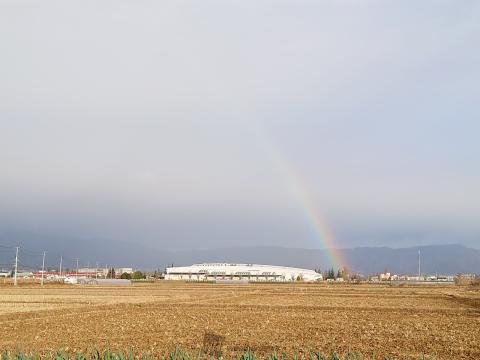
{"type": "Point", "coordinates": [156, 123]}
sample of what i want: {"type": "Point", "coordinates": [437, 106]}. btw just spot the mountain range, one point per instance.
{"type": "Point", "coordinates": [442, 259]}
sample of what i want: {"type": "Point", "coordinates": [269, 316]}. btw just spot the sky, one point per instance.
{"type": "Point", "coordinates": [187, 124]}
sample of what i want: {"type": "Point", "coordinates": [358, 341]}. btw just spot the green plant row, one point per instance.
{"type": "Point", "coordinates": [179, 354]}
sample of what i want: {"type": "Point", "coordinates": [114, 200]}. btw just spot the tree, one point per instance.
{"type": "Point", "coordinates": [138, 275]}
{"type": "Point", "coordinates": [111, 273]}
{"type": "Point", "coordinates": [126, 276]}
{"type": "Point", "coordinates": [339, 274]}
{"type": "Point", "coordinates": [331, 274]}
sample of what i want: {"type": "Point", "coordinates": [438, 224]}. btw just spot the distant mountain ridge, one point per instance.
{"type": "Point", "coordinates": [442, 259]}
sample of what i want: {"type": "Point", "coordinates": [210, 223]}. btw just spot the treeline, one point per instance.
{"type": "Point", "coordinates": [136, 275]}
{"type": "Point", "coordinates": [334, 274]}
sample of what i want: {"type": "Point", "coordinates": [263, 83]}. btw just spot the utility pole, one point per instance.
{"type": "Point", "coordinates": [419, 273]}
{"type": "Point", "coordinates": [88, 269]}
{"type": "Point", "coordinates": [16, 268]}
{"type": "Point", "coordinates": [96, 270]}
{"type": "Point", "coordinates": [77, 270]}
{"type": "Point", "coordinates": [61, 259]}
{"type": "Point", "coordinates": [43, 268]}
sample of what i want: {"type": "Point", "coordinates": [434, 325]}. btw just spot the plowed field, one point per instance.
{"type": "Point", "coordinates": [408, 321]}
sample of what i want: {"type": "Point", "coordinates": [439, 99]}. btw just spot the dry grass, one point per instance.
{"type": "Point", "coordinates": [407, 321]}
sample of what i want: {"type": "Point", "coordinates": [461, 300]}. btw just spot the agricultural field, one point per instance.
{"type": "Point", "coordinates": [372, 320]}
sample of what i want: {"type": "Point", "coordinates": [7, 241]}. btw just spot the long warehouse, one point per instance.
{"type": "Point", "coordinates": [250, 272]}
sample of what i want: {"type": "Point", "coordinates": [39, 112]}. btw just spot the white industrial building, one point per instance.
{"type": "Point", "coordinates": [250, 272]}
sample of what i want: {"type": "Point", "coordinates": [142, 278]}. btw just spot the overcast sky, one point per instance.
{"type": "Point", "coordinates": [180, 124]}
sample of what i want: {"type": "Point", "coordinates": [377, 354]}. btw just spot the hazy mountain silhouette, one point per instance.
{"type": "Point", "coordinates": [446, 259]}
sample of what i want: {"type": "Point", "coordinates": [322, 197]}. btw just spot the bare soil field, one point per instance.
{"type": "Point", "coordinates": [442, 322]}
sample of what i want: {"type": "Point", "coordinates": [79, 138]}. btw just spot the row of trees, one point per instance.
{"type": "Point", "coordinates": [332, 274]}
{"type": "Point", "coordinates": [137, 275]}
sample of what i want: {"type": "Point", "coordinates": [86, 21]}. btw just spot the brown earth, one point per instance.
{"type": "Point", "coordinates": [443, 322]}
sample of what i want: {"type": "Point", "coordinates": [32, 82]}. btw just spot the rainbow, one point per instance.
{"type": "Point", "coordinates": [302, 195]}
